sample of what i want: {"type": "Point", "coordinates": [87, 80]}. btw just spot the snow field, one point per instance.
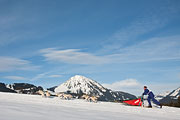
{"type": "Point", "coordinates": [34, 107]}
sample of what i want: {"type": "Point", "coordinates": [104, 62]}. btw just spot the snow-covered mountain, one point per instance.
{"type": "Point", "coordinates": [24, 88]}
{"type": "Point", "coordinates": [52, 88]}
{"type": "Point", "coordinates": [169, 97]}
{"type": "Point", "coordinates": [82, 85]}
{"type": "Point", "coordinates": [162, 95]}
{"type": "Point", "coordinates": [3, 88]}
{"type": "Point", "coordinates": [175, 93]}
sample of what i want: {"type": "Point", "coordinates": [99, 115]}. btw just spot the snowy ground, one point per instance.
{"type": "Point", "coordinates": [33, 107]}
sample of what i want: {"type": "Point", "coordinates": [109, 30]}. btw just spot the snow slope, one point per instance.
{"type": "Point", "coordinates": [32, 107]}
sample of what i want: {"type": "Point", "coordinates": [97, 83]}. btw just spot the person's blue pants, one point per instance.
{"type": "Point", "coordinates": [151, 97]}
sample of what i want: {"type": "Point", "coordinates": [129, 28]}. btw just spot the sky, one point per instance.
{"type": "Point", "coordinates": [122, 44]}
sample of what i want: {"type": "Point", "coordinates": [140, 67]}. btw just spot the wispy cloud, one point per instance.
{"type": "Point", "coordinates": [154, 49]}
{"type": "Point", "coordinates": [35, 78]}
{"type": "Point", "coordinates": [154, 19]}
{"type": "Point", "coordinates": [45, 75]}
{"type": "Point", "coordinates": [72, 56]}
{"type": "Point", "coordinates": [55, 76]}
{"type": "Point", "coordinates": [39, 76]}
{"type": "Point", "coordinates": [7, 35]}
{"type": "Point", "coordinates": [15, 78]}
{"type": "Point", "coordinates": [11, 64]}
{"type": "Point", "coordinates": [18, 25]}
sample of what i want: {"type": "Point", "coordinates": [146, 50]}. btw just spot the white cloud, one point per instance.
{"type": "Point", "coordinates": [11, 64]}
{"type": "Point", "coordinates": [15, 78]}
{"type": "Point", "coordinates": [72, 56]}
{"type": "Point", "coordinates": [128, 85]}
{"type": "Point", "coordinates": [55, 76]}
{"type": "Point", "coordinates": [135, 87]}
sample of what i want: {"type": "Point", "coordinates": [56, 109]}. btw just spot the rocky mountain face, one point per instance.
{"type": "Point", "coordinates": [52, 88]}
{"type": "Point", "coordinates": [175, 93]}
{"type": "Point", "coordinates": [3, 88]}
{"type": "Point", "coordinates": [169, 97]}
{"type": "Point", "coordinates": [24, 88]}
{"type": "Point", "coordinates": [82, 85]}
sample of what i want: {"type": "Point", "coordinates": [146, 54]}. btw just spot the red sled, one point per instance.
{"type": "Point", "coordinates": [136, 102]}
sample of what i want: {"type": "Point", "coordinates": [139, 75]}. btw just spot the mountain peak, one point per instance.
{"type": "Point", "coordinates": [82, 84]}
{"type": "Point", "coordinates": [79, 84]}
{"type": "Point", "coordinates": [79, 78]}
{"type": "Point", "coordinates": [175, 93]}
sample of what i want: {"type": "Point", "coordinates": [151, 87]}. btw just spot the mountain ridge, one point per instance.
{"type": "Point", "coordinates": [169, 97]}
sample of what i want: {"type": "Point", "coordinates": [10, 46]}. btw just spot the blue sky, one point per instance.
{"type": "Point", "coordinates": [122, 44]}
